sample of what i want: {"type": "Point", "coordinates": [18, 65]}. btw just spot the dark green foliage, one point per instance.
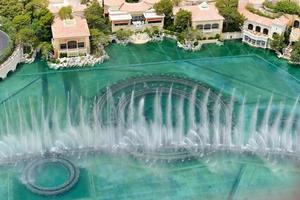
{"type": "Point", "coordinates": [278, 42]}
{"type": "Point", "coordinates": [183, 20]}
{"type": "Point", "coordinates": [95, 18]}
{"type": "Point", "coordinates": [165, 7]}
{"type": "Point", "coordinates": [45, 49]}
{"type": "Point", "coordinates": [233, 19]}
{"type": "Point", "coordinates": [123, 34]}
{"type": "Point", "coordinates": [98, 41]}
{"type": "Point", "coordinates": [11, 8]}
{"type": "Point", "coordinates": [295, 55]}
{"type": "Point", "coordinates": [30, 21]}
{"type": "Point", "coordinates": [65, 12]}
{"type": "Point", "coordinates": [287, 6]}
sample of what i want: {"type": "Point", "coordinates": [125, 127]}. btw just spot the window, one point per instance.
{"type": "Point", "coordinates": [63, 46]}
{"type": "Point", "coordinates": [257, 29]}
{"type": "Point", "coordinates": [80, 44]}
{"type": "Point", "coordinates": [265, 31]}
{"type": "Point", "coordinates": [122, 24]}
{"type": "Point", "coordinates": [154, 21]}
{"type": "Point", "coordinates": [250, 26]}
{"type": "Point", "coordinates": [215, 26]}
{"type": "Point", "coordinates": [138, 18]}
{"type": "Point", "coordinates": [207, 26]}
{"type": "Point", "coordinates": [200, 27]}
{"type": "Point", "coordinates": [296, 24]}
{"type": "Point", "coordinates": [72, 45]}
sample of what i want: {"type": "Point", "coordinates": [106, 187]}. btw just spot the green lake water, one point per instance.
{"type": "Point", "coordinates": [253, 73]}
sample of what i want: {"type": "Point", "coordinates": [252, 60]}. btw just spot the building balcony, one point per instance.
{"type": "Point", "coordinates": [255, 35]}
{"type": "Point", "coordinates": [137, 25]}
{"type": "Point", "coordinates": [73, 51]}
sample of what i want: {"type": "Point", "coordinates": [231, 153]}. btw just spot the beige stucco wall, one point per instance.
{"type": "Point", "coordinates": [134, 28]}
{"type": "Point", "coordinates": [211, 32]}
{"type": "Point", "coordinates": [56, 45]}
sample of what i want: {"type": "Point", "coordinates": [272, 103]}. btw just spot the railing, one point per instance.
{"type": "Point", "coordinates": [11, 63]}
{"type": "Point", "coordinates": [73, 52]}
{"type": "Point", "coordinates": [256, 35]}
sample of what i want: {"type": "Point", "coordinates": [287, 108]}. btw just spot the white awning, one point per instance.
{"type": "Point", "coordinates": [151, 14]}
{"type": "Point", "coordinates": [119, 15]}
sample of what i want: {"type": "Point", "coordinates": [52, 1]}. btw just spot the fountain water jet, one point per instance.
{"type": "Point", "coordinates": [208, 125]}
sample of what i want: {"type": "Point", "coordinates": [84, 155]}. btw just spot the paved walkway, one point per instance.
{"type": "Point", "coordinates": [4, 41]}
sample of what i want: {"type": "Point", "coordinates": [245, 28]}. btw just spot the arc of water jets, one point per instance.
{"type": "Point", "coordinates": [212, 129]}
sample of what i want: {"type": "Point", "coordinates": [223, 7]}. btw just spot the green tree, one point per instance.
{"type": "Point", "coordinates": [123, 34]}
{"type": "Point", "coordinates": [94, 16]}
{"type": "Point", "coordinates": [36, 8]}
{"type": "Point", "coordinates": [176, 2]}
{"type": "Point", "coordinates": [165, 7]}
{"type": "Point", "coordinates": [295, 55]}
{"type": "Point", "coordinates": [233, 19]}
{"type": "Point", "coordinates": [153, 31]}
{"type": "Point", "coordinates": [7, 27]}
{"type": "Point", "coordinates": [183, 20]}
{"type": "Point", "coordinates": [65, 12]}
{"type": "Point", "coordinates": [277, 42]}
{"type": "Point", "coordinates": [98, 41]}
{"type": "Point", "coordinates": [11, 8]}
{"type": "Point", "coordinates": [42, 27]}
{"type": "Point", "coordinates": [287, 6]}
{"type": "Point", "coordinates": [21, 21]}
{"type": "Point", "coordinates": [46, 50]}
{"type": "Point", "coordinates": [27, 37]}
{"type": "Point", "coordinates": [190, 34]}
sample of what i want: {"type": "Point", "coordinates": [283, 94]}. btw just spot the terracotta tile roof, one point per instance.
{"type": "Point", "coordinates": [256, 2]}
{"type": "Point", "coordinates": [201, 12]}
{"type": "Point", "coordinates": [113, 3]}
{"type": "Point", "coordinates": [54, 8]}
{"type": "Point", "coordinates": [135, 7]}
{"type": "Point", "coordinates": [77, 27]}
{"type": "Point", "coordinates": [152, 2]}
{"type": "Point", "coordinates": [282, 21]}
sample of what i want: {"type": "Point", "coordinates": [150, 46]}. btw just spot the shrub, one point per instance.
{"type": "Point", "coordinates": [63, 55]}
{"type": "Point", "coordinates": [123, 34]}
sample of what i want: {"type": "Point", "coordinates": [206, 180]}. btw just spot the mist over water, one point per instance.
{"type": "Point", "coordinates": [150, 123]}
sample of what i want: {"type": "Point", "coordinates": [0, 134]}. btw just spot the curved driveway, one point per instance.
{"type": "Point", "coordinates": [4, 40]}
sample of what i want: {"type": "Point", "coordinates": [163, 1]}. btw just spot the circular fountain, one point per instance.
{"type": "Point", "coordinates": [50, 176]}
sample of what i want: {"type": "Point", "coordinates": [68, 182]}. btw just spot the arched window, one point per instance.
{"type": "Point", "coordinates": [72, 45]}
{"type": "Point", "coordinates": [250, 26]}
{"type": "Point", "coordinates": [296, 24]}
{"type": "Point", "coordinates": [257, 29]}
{"type": "Point", "coordinates": [207, 26]}
{"type": "Point", "coordinates": [200, 27]}
{"type": "Point", "coordinates": [215, 26]}
{"type": "Point", "coordinates": [265, 31]}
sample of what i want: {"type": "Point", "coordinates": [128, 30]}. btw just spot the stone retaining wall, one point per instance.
{"type": "Point", "coordinates": [11, 63]}
{"type": "Point", "coordinates": [232, 35]}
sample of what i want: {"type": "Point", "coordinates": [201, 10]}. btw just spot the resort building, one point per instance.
{"type": "Point", "coordinates": [205, 18]}
{"type": "Point", "coordinates": [257, 30]}
{"type": "Point", "coordinates": [133, 16]}
{"type": "Point", "coordinates": [295, 31]}
{"type": "Point", "coordinates": [77, 8]}
{"type": "Point", "coordinates": [70, 37]}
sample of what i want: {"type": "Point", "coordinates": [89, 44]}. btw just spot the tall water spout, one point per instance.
{"type": "Point", "coordinates": [206, 123]}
